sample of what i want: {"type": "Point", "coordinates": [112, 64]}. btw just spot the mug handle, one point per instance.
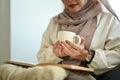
{"type": "Point", "coordinates": [77, 39]}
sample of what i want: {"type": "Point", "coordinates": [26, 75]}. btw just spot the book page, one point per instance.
{"type": "Point", "coordinates": [72, 67]}
{"type": "Point", "coordinates": [20, 63]}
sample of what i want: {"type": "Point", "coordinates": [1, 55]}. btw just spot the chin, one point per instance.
{"type": "Point", "coordinates": [74, 10]}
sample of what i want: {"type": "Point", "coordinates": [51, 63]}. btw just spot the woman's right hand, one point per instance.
{"type": "Point", "coordinates": [58, 50]}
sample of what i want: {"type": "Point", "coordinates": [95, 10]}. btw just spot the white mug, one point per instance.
{"type": "Point", "coordinates": [68, 35]}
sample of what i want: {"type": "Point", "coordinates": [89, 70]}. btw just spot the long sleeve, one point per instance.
{"type": "Point", "coordinates": [106, 44]}
{"type": "Point", "coordinates": [45, 53]}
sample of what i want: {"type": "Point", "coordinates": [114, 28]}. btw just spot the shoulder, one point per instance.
{"type": "Point", "coordinates": [106, 18]}
{"type": "Point", "coordinates": [105, 14]}
{"type": "Point", "coordinates": [109, 21]}
{"type": "Point", "coordinates": [52, 26]}
{"type": "Point", "coordinates": [52, 23]}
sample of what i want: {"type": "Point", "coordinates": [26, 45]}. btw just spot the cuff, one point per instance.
{"type": "Point", "coordinates": [90, 57]}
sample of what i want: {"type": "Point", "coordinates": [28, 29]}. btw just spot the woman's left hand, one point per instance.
{"type": "Point", "coordinates": [76, 51]}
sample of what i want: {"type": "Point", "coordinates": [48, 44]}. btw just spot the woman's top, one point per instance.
{"type": "Point", "coordinates": [105, 42]}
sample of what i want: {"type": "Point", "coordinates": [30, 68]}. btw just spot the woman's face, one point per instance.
{"type": "Point", "coordinates": [73, 5]}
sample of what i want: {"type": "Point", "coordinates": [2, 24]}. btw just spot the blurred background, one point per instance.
{"type": "Point", "coordinates": [22, 23]}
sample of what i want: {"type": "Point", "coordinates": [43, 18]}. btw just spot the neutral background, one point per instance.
{"type": "Point", "coordinates": [29, 19]}
{"type": "Point", "coordinates": [22, 23]}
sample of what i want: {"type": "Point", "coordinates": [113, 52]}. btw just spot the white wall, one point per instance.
{"type": "Point", "coordinates": [29, 18]}
{"type": "Point", "coordinates": [115, 5]}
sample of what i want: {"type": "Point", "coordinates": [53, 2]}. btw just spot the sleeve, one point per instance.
{"type": "Point", "coordinates": [109, 57]}
{"type": "Point", "coordinates": [45, 54]}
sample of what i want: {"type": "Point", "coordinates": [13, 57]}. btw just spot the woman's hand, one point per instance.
{"type": "Point", "coordinates": [75, 51]}
{"type": "Point", "coordinates": [58, 49]}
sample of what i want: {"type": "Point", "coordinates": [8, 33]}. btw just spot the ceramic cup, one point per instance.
{"type": "Point", "coordinates": [67, 35]}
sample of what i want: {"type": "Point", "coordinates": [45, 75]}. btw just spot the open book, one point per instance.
{"type": "Point", "coordinates": [72, 67]}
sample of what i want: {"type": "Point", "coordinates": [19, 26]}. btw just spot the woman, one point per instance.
{"type": "Point", "coordinates": [100, 33]}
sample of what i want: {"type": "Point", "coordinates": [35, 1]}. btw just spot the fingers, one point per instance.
{"type": "Point", "coordinates": [82, 57]}
{"type": "Point", "coordinates": [55, 46]}
{"type": "Point", "coordinates": [58, 49]}
{"type": "Point", "coordinates": [74, 51]}
{"type": "Point", "coordinates": [82, 41]}
{"type": "Point", "coordinates": [72, 45]}
{"type": "Point", "coordinates": [67, 48]}
{"type": "Point", "coordinates": [77, 47]}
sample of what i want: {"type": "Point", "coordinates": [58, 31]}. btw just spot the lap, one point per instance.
{"type": "Point", "coordinates": [12, 72]}
{"type": "Point", "coordinates": [78, 75]}
{"type": "Point", "coordinates": [113, 74]}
